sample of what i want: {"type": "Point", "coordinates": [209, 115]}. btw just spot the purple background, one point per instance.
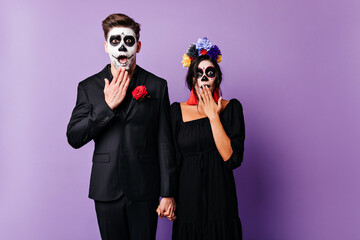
{"type": "Point", "coordinates": [294, 65]}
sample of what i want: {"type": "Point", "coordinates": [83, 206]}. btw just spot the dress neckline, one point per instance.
{"type": "Point", "coordinates": [198, 119]}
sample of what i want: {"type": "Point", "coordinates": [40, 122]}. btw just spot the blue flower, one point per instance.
{"type": "Point", "coordinates": [203, 43]}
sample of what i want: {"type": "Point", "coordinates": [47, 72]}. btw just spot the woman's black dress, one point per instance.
{"type": "Point", "coordinates": [206, 202]}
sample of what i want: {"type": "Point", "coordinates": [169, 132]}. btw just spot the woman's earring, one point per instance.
{"type": "Point", "coordinates": [192, 99]}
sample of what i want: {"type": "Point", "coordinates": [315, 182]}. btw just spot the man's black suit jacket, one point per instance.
{"type": "Point", "coordinates": [134, 152]}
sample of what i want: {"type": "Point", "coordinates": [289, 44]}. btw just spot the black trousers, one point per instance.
{"type": "Point", "coordinates": [123, 219]}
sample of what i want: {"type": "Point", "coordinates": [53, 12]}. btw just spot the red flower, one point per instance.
{"type": "Point", "coordinates": [139, 92]}
{"type": "Point", "coordinates": [203, 52]}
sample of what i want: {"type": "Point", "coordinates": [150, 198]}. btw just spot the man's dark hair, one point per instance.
{"type": "Point", "coordinates": [120, 20]}
{"type": "Point", "coordinates": [191, 74]}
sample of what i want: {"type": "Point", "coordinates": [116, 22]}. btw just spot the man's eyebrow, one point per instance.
{"type": "Point", "coordinates": [115, 36]}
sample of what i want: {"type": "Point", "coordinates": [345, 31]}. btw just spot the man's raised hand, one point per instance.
{"type": "Point", "coordinates": [115, 91]}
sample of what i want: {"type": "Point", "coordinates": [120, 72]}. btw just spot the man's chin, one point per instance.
{"type": "Point", "coordinates": [127, 65]}
{"type": "Point", "coordinates": [118, 65]}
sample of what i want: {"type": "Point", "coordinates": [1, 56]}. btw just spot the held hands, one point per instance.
{"type": "Point", "coordinates": [116, 90]}
{"type": "Point", "coordinates": [167, 208]}
{"type": "Point", "coordinates": [208, 104]}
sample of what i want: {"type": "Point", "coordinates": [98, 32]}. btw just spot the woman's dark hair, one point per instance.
{"type": "Point", "coordinates": [191, 74]}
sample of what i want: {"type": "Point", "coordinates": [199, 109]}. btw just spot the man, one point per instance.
{"type": "Point", "coordinates": [125, 110]}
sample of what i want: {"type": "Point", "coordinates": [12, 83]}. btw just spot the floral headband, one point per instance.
{"type": "Point", "coordinates": [201, 47]}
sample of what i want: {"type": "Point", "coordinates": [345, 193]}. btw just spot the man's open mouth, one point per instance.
{"type": "Point", "coordinates": [123, 59]}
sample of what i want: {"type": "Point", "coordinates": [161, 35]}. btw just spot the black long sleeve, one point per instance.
{"type": "Point", "coordinates": [86, 122]}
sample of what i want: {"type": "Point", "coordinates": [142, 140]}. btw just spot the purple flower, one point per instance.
{"type": "Point", "coordinates": [214, 52]}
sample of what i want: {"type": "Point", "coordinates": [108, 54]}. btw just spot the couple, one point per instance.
{"type": "Point", "coordinates": [145, 149]}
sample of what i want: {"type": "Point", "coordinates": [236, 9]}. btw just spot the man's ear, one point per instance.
{"type": "Point", "coordinates": [138, 47]}
{"type": "Point", "coordinates": [106, 47]}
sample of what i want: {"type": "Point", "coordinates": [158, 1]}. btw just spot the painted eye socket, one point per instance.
{"type": "Point", "coordinates": [199, 73]}
{"type": "Point", "coordinates": [210, 72]}
{"type": "Point", "coordinates": [129, 41]}
{"type": "Point", "coordinates": [115, 40]}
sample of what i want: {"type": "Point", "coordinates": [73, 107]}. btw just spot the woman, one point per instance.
{"type": "Point", "coordinates": [209, 139]}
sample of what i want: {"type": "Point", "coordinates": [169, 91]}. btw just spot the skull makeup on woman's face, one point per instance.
{"type": "Point", "coordinates": [205, 76]}
{"type": "Point", "coordinates": [122, 47]}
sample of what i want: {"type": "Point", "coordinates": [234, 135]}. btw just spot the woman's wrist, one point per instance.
{"type": "Point", "coordinates": [214, 117]}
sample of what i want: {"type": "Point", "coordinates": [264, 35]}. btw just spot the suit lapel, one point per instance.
{"type": "Point", "coordinates": [130, 106]}
{"type": "Point", "coordinates": [141, 79]}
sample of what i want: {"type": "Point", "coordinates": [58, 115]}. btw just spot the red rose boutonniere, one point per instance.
{"type": "Point", "coordinates": [140, 93]}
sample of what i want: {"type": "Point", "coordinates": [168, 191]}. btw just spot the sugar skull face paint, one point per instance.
{"type": "Point", "coordinates": [205, 75]}
{"type": "Point", "coordinates": [209, 73]}
{"type": "Point", "coordinates": [122, 47]}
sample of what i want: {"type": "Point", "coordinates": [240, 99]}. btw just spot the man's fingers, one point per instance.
{"type": "Point", "coordinates": [126, 74]}
{"type": "Point", "coordinates": [172, 218]}
{"type": "Point", "coordinates": [166, 214]}
{"type": "Point", "coordinates": [117, 72]}
{"type": "Point", "coordinates": [106, 83]}
{"type": "Point", "coordinates": [158, 211]}
{"type": "Point", "coordinates": [120, 76]}
{"type": "Point", "coordinates": [124, 83]}
{"type": "Point", "coordinates": [171, 213]}
{"type": "Point", "coordinates": [168, 211]}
